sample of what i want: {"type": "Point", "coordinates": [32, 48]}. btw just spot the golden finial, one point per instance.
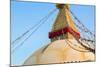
{"type": "Point", "coordinates": [60, 6]}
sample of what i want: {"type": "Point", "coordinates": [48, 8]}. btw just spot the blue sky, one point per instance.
{"type": "Point", "coordinates": [26, 14]}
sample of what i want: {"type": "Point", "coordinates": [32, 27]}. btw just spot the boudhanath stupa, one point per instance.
{"type": "Point", "coordinates": [64, 46]}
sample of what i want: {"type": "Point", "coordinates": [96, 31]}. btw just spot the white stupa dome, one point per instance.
{"type": "Point", "coordinates": [60, 52]}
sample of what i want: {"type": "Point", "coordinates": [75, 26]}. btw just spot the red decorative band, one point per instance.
{"type": "Point", "coordinates": [64, 31]}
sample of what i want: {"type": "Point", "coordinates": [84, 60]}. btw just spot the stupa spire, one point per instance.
{"type": "Point", "coordinates": [63, 26]}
